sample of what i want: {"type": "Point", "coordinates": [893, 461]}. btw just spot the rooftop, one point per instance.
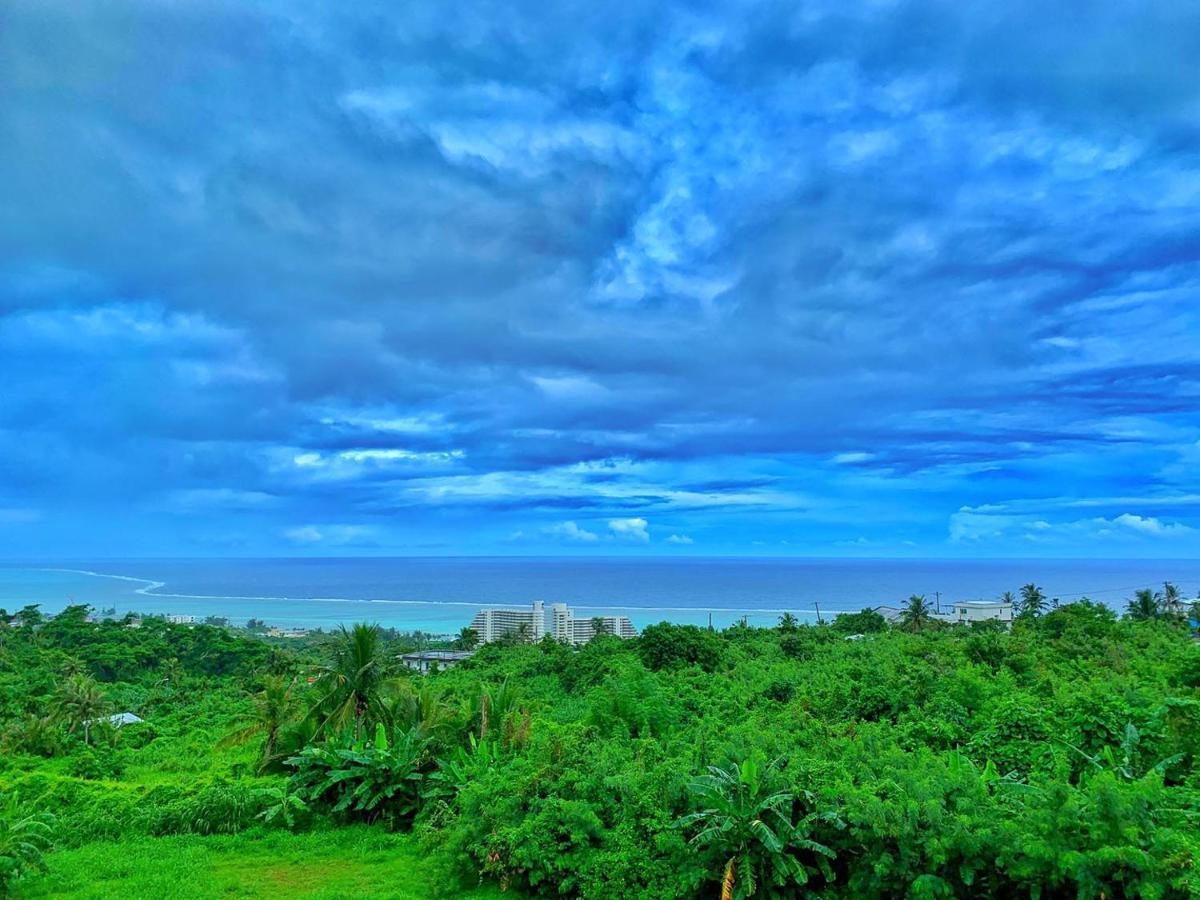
{"type": "Point", "coordinates": [439, 655]}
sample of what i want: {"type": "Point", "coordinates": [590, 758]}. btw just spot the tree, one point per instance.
{"type": "Point", "coordinates": [273, 708]}
{"type": "Point", "coordinates": [1144, 606]}
{"type": "Point", "coordinates": [23, 841]}
{"type": "Point", "coordinates": [423, 710]}
{"type": "Point", "coordinates": [468, 639]}
{"type": "Point", "coordinates": [1007, 597]}
{"type": "Point", "coordinates": [78, 702]}
{"type": "Point", "coordinates": [1172, 602]}
{"type": "Point", "coordinates": [29, 616]}
{"type": "Point", "coordinates": [749, 827]}
{"type": "Point", "coordinates": [1033, 601]}
{"type": "Point", "coordinates": [866, 622]}
{"type": "Point", "coordinates": [665, 646]}
{"type": "Point", "coordinates": [917, 614]}
{"type": "Point", "coordinates": [352, 680]}
{"type": "Point", "coordinates": [788, 622]}
{"type": "Point", "coordinates": [599, 626]}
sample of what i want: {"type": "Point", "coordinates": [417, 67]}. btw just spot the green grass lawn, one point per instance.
{"type": "Point", "coordinates": [342, 863]}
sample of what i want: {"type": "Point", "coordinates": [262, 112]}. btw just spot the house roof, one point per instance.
{"type": "Point", "coordinates": [117, 720]}
{"type": "Point", "coordinates": [439, 655]}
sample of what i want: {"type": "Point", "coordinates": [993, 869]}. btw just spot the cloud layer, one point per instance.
{"type": "Point", "coordinates": [902, 278]}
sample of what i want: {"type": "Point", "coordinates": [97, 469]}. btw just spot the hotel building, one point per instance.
{"type": "Point", "coordinates": [565, 626]}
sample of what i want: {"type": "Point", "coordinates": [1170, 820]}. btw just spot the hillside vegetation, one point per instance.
{"type": "Point", "coordinates": [1058, 759]}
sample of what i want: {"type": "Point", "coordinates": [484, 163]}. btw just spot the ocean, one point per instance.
{"type": "Point", "coordinates": [441, 595]}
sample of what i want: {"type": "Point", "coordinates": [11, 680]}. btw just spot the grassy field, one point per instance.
{"type": "Point", "coordinates": [342, 863]}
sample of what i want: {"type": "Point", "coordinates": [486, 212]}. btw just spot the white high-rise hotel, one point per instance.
{"type": "Point", "coordinates": [492, 624]}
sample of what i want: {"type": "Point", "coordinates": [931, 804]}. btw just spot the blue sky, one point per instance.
{"type": "Point", "coordinates": [824, 279]}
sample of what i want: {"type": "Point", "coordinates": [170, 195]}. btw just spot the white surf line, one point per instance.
{"type": "Point", "coordinates": [150, 588]}
{"type": "Point", "coordinates": [148, 585]}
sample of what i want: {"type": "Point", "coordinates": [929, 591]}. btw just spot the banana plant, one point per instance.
{"type": "Point", "coordinates": [751, 830]}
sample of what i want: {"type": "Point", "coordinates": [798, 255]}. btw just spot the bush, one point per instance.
{"type": "Point", "coordinates": [666, 646]}
{"type": "Point", "coordinates": [24, 838]}
{"type": "Point", "coordinates": [95, 765]}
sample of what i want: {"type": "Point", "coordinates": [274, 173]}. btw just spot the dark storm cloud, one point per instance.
{"type": "Point", "coordinates": [397, 263]}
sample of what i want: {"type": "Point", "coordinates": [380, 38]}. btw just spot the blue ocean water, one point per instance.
{"type": "Point", "coordinates": [442, 594]}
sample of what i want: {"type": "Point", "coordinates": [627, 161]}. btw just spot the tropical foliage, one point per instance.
{"type": "Point", "coordinates": [1058, 758]}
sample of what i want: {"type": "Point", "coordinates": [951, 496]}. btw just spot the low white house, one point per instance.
{"type": "Point", "coordinates": [423, 661]}
{"type": "Point", "coordinates": [964, 612]}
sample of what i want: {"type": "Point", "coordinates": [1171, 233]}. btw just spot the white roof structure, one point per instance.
{"type": "Point", "coordinates": [117, 720]}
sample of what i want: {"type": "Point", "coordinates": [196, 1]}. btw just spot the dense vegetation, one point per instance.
{"type": "Point", "coordinates": [858, 759]}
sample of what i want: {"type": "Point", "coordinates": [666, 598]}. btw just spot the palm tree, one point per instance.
{"type": "Point", "coordinates": [1143, 606]}
{"type": "Point", "coordinates": [422, 710]}
{"type": "Point", "coordinates": [917, 614]}
{"type": "Point", "coordinates": [468, 639]}
{"type": "Point", "coordinates": [751, 830]}
{"type": "Point", "coordinates": [352, 680]}
{"type": "Point", "coordinates": [78, 702]}
{"type": "Point", "coordinates": [499, 710]}
{"type": "Point", "coordinates": [1007, 597]}
{"type": "Point", "coordinates": [788, 622]}
{"type": "Point", "coordinates": [274, 707]}
{"type": "Point", "coordinates": [599, 626]}
{"type": "Point", "coordinates": [1033, 601]}
{"type": "Point", "coordinates": [1172, 603]}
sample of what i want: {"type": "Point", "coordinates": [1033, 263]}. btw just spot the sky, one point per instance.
{"type": "Point", "coordinates": [881, 279]}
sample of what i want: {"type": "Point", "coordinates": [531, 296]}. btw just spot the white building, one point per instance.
{"type": "Point", "coordinates": [424, 661]}
{"type": "Point", "coordinates": [963, 612]}
{"type": "Point", "coordinates": [565, 626]}
{"type": "Point", "coordinates": [493, 624]}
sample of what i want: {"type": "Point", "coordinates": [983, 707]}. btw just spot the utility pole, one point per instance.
{"type": "Point", "coordinates": [937, 595]}
{"type": "Point", "coordinates": [710, 628]}
{"type": "Point", "coordinates": [818, 606]}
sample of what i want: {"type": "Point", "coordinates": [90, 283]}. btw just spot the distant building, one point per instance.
{"type": "Point", "coordinates": [287, 632]}
{"type": "Point", "coordinates": [117, 720]}
{"type": "Point", "coordinates": [423, 661]}
{"type": "Point", "coordinates": [565, 626]}
{"type": "Point", "coordinates": [493, 624]}
{"type": "Point", "coordinates": [963, 612]}
{"type": "Point", "coordinates": [890, 613]}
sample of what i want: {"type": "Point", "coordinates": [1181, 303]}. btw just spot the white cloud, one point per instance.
{"type": "Point", "coordinates": [680, 539]}
{"type": "Point", "coordinates": [995, 522]}
{"type": "Point", "coordinates": [631, 529]}
{"type": "Point", "coordinates": [571, 532]}
{"type": "Point", "coordinates": [328, 534]}
{"type": "Point", "coordinates": [846, 459]}
{"type": "Point", "coordinates": [305, 534]}
{"type": "Point", "coordinates": [222, 498]}
{"type": "Point", "coordinates": [396, 454]}
{"type": "Point", "coordinates": [1150, 525]}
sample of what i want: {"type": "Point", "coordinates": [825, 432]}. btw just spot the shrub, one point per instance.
{"type": "Point", "coordinates": [91, 764]}
{"type": "Point", "coordinates": [24, 838]}
{"type": "Point", "coordinates": [666, 646]}
{"type": "Point", "coordinates": [368, 780]}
